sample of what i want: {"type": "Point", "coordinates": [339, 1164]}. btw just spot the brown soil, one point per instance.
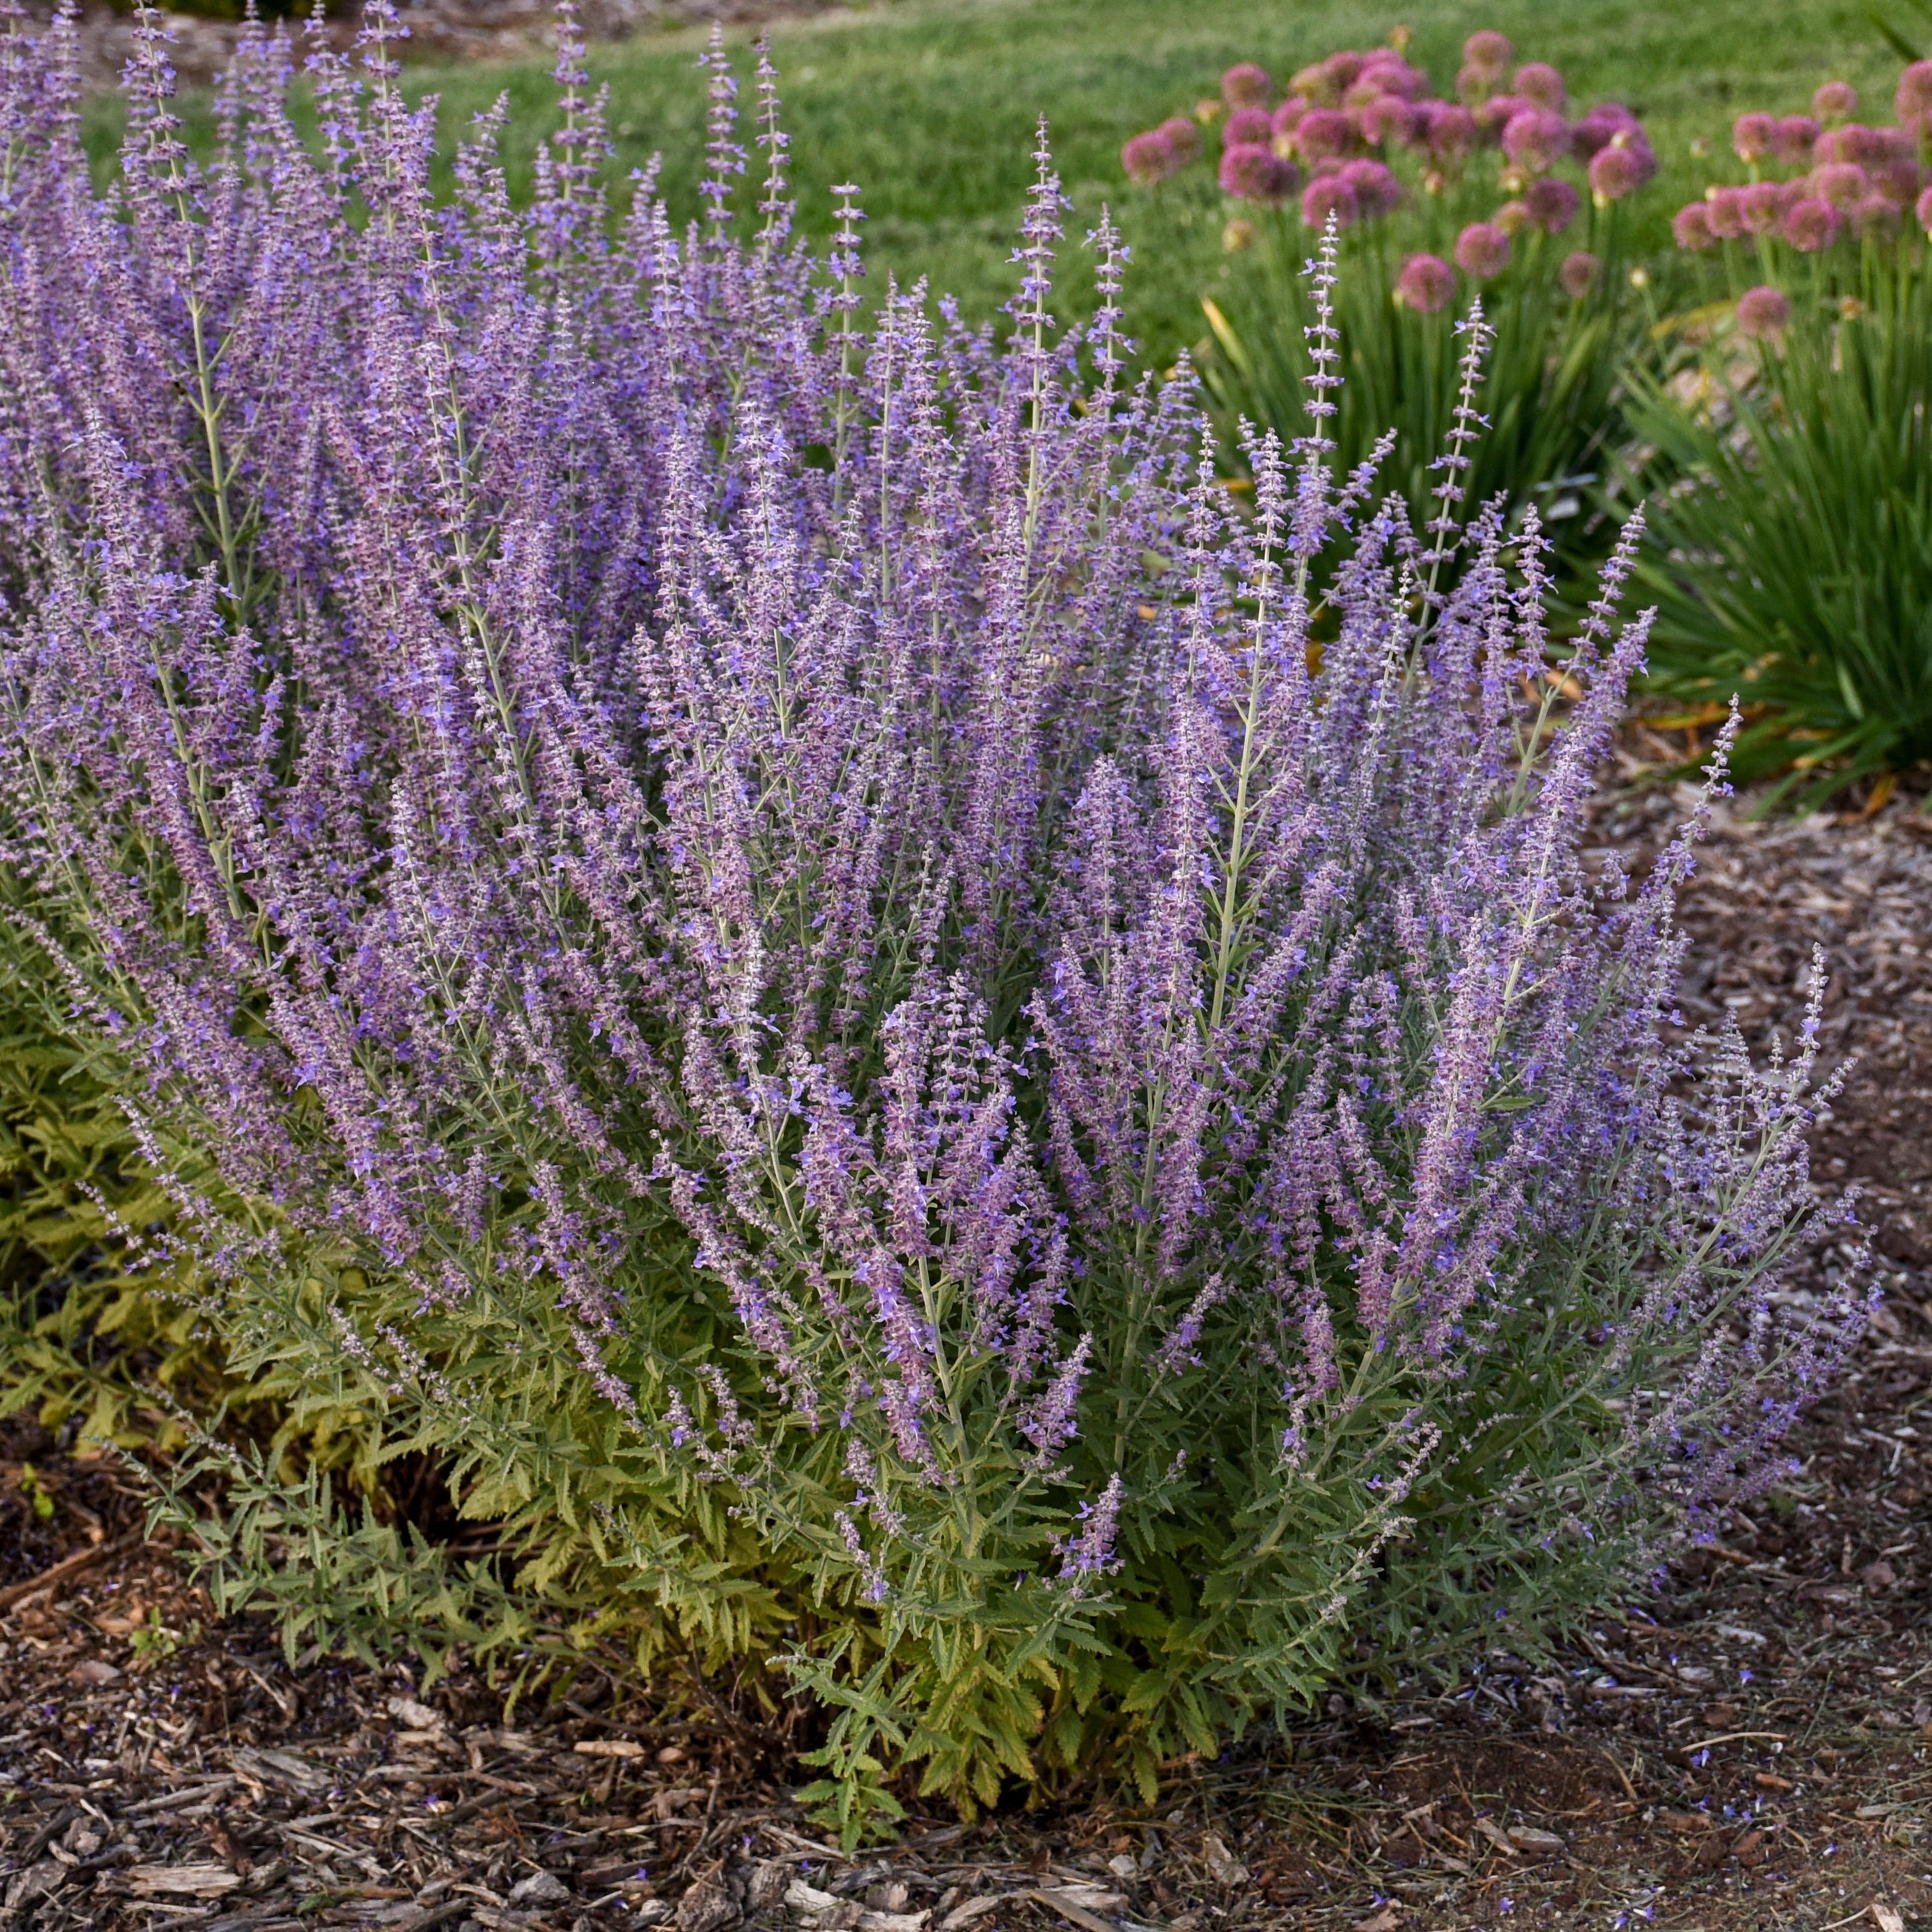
{"type": "Point", "coordinates": [1746, 1749]}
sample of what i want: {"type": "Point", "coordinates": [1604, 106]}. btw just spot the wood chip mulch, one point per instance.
{"type": "Point", "coordinates": [1746, 1749]}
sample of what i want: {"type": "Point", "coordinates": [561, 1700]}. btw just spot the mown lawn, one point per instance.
{"type": "Point", "coordinates": [930, 105]}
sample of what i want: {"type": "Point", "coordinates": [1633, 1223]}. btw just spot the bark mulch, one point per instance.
{"type": "Point", "coordinates": [1746, 1748]}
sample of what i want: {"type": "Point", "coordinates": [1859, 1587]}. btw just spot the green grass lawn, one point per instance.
{"type": "Point", "coordinates": [930, 106]}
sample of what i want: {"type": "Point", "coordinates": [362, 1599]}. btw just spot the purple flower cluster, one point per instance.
{"type": "Point", "coordinates": [1854, 182]}
{"type": "Point", "coordinates": [571, 768]}
{"type": "Point", "coordinates": [1347, 123]}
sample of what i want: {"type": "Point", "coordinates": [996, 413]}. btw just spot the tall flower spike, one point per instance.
{"type": "Point", "coordinates": [775, 204]}
{"type": "Point", "coordinates": [724, 158]}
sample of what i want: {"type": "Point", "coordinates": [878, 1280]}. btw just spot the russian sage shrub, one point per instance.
{"type": "Point", "coordinates": [794, 944]}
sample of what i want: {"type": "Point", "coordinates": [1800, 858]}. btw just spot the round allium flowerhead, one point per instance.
{"type": "Point", "coordinates": [1339, 71]}
{"type": "Point", "coordinates": [1327, 195]}
{"type": "Point", "coordinates": [1489, 52]}
{"type": "Point", "coordinates": [1577, 275]}
{"type": "Point", "coordinates": [1601, 126]}
{"type": "Point", "coordinates": [1149, 157]}
{"type": "Point", "coordinates": [1552, 203]}
{"type": "Point", "coordinates": [1899, 181]}
{"type": "Point", "coordinates": [1377, 190]}
{"type": "Point", "coordinates": [1238, 236]}
{"type": "Point", "coordinates": [1482, 250]}
{"type": "Point", "coordinates": [1836, 100]}
{"type": "Point", "coordinates": [1811, 225]}
{"type": "Point", "coordinates": [1753, 136]}
{"type": "Point", "coordinates": [1912, 101]}
{"type": "Point", "coordinates": [1472, 85]}
{"type": "Point", "coordinates": [1923, 211]}
{"type": "Point", "coordinates": [1537, 138]}
{"type": "Point", "coordinates": [1841, 183]}
{"type": "Point", "coordinates": [1792, 141]}
{"type": "Point", "coordinates": [1183, 136]}
{"type": "Point", "coordinates": [1763, 314]}
{"type": "Point", "coordinates": [1248, 128]}
{"type": "Point", "coordinates": [1326, 133]}
{"type": "Point", "coordinates": [1540, 84]}
{"type": "Point", "coordinates": [1246, 85]}
{"type": "Point", "coordinates": [1876, 218]}
{"type": "Point", "coordinates": [1761, 204]}
{"type": "Point", "coordinates": [1513, 217]}
{"type": "Point", "coordinates": [1614, 172]}
{"type": "Point", "coordinates": [1388, 118]}
{"type": "Point", "coordinates": [1425, 283]}
{"type": "Point", "coordinates": [1256, 172]}
{"type": "Point", "coordinates": [1288, 113]}
{"type": "Point", "coordinates": [1495, 114]}
{"type": "Point", "coordinates": [1451, 131]}
{"type": "Point", "coordinates": [1691, 226]}
{"type": "Point", "coordinates": [1726, 208]}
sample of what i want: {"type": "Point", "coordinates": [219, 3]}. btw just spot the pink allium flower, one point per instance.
{"type": "Point", "coordinates": [1183, 136]}
{"type": "Point", "coordinates": [1601, 126]}
{"type": "Point", "coordinates": [1836, 100]}
{"type": "Point", "coordinates": [1616, 171]}
{"type": "Point", "coordinates": [1246, 85]}
{"type": "Point", "coordinates": [1288, 113]}
{"type": "Point", "coordinates": [1472, 84]}
{"type": "Point", "coordinates": [1753, 136]}
{"type": "Point", "coordinates": [1495, 114]}
{"type": "Point", "coordinates": [1425, 283]}
{"type": "Point", "coordinates": [1451, 131]}
{"type": "Point", "coordinates": [1388, 118]}
{"type": "Point", "coordinates": [1513, 217]}
{"type": "Point", "coordinates": [1482, 250]}
{"type": "Point", "coordinates": [1760, 205]}
{"type": "Point", "coordinates": [1256, 172]}
{"type": "Point", "coordinates": [1577, 275]}
{"type": "Point", "coordinates": [1724, 207]}
{"type": "Point", "coordinates": [1248, 128]}
{"type": "Point", "coordinates": [1923, 211]}
{"type": "Point", "coordinates": [1149, 157]}
{"type": "Point", "coordinates": [1339, 70]}
{"type": "Point", "coordinates": [1489, 52]}
{"type": "Point", "coordinates": [1811, 225]}
{"type": "Point", "coordinates": [1537, 139]}
{"type": "Point", "coordinates": [1912, 101]}
{"type": "Point", "coordinates": [1691, 226]}
{"type": "Point", "coordinates": [1876, 218]}
{"type": "Point", "coordinates": [1539, 83]}
{"type": "Point", "coordinates": [1841, 183]}
{"type": "Point", "coordinates": [1763, 314]}
{"type": "Point", "coordinates": [1397, 75]}
{"type": "Point", "coordinates": [1326, 131]}
{"type": "Point", "coordinates": [1327, 195]}
{"type": "Point", "coordinates": [1794, 137]}
{"type": "Point", "coordinates": [1377, 190]}
{"type": "Point", "coordinates": [1553, 204]}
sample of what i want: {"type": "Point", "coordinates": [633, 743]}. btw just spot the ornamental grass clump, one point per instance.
{"type": "Point", "coordinates": [789, 942]}
{"type": "Point", "coordinates": [1496, 193]}
{"type": "Point", "coordinates": [1785, 456]}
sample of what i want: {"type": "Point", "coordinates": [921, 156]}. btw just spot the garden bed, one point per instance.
{"type": "Point", "coordinates": [1745, 1748]}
